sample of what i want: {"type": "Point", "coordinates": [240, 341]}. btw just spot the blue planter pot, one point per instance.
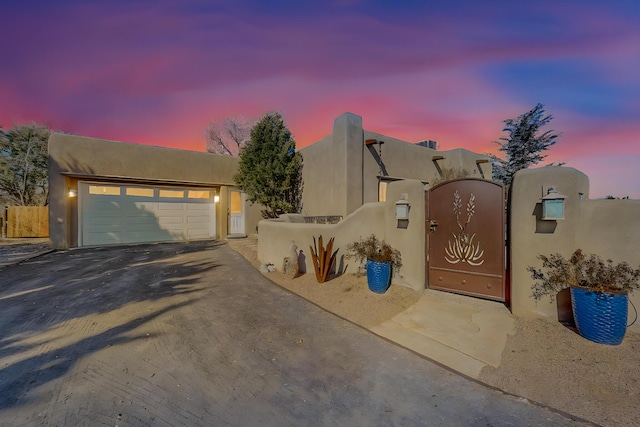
{"type": "Point", "coordinates": [378, 276]}
{"type": "Point", "coordinates": [600, 317]}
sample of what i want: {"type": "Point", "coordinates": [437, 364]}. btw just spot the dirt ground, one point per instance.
{"type": "Point", "coordinates": [543, 361]}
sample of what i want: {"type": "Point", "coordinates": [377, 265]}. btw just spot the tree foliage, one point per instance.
{"type": "Point", "coordinates": [523, 147]}
{"type": "Point", "coordinates": [449, 174]}
{"type": "Point", "coordinates": [24, 165]}
{"type": "Point", "coordinates": [270, 168]}
{"type": "Point", "coordinates": [228, 136]}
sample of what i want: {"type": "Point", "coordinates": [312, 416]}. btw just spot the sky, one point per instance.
{"type": "Point", "coordinates": [159, 72]}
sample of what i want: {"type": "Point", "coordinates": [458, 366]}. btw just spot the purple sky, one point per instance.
{"type": "Point", "coordinates": [157, 72]}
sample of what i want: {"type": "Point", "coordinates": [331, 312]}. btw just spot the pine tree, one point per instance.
{"type": "Point", "coordinates": [270, 168]}
{"type": "Point", "coordinates": [522, 147]}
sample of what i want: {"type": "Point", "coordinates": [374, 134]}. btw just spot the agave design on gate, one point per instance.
{"type": "Point", "coordinates": [463, 248]}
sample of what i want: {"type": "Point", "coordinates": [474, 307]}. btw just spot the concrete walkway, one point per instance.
{"type": "Point", "coordinates": [463, 333]}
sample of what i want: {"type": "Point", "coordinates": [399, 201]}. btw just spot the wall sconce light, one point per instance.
{"type": "Point", "coordinates": [72, 193]}
{"type": "Point", "coordinates": [216, 198]}
{"type": "Point", "coordinates": [553, 205]}
{"type": "Point", "coordinates": [402, 207]}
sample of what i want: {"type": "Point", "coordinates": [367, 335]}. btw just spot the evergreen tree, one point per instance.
{"type": "Point", "coordinates": [270, 168]}
{"type": "Point", "coordinates": [523, 148]}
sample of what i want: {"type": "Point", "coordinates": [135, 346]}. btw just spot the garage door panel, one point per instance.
{"type": "Point", "coordinates": [101, 220]}
{"type": "Point", "coordinates": [147, 218]}
{"type": "Point", "coordinates": [177, 233]}
{"type": "Point", "coordinates": [150, 236]}
{"type": "Point", "coordinates": [197, 220]}
{"type": "Point", "coordinates": [133, 228]}
{"type": "Point", "coordinates": [143, 206]}
{"type": "Point", "coordinates": [198, 207]}
{"type": "Point", "coordinates": [97, 239]}
{"type": "Point", "coordinates": [170, 220]}
{"type": "Point", "coordinates": [99, 208]}
{"type": "Point", "coordinates": [121, 218]}
{"type": "Point", "coordinates": [198, 234]}
{"type": "Point", "coordinates": [165, 206]}
{"type": "Point", "coordinates": [106, 228]}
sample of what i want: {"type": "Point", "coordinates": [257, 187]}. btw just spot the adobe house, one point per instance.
{"type": "Point", "coordinates": [354, 166]}
{"type": "Point", "coordinates": [104, 192]}
{"type": "Point", "coordinates": [358, 176]}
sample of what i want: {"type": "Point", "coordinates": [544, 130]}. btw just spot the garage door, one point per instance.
{"type": "Point", "coordinates": [116, 214]}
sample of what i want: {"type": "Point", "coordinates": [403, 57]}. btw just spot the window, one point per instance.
{"type": "Point", "coordinates": [382, 192]}
{"type": "Point", "coordinates": [104, 190]}
{"type": "Point", "coordinates": [174, 194]}
{"type": "Point", "coordinates": [139, 191]}
{"type": "Point", "coordinates": [236, 202]}
{"type": "Point", "coordinates": [198, 194]}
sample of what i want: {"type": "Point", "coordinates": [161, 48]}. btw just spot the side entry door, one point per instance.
{"type": "Point", "coordinates": [236, 212]}
{"type": "Point", "coordinates": [466, 238]}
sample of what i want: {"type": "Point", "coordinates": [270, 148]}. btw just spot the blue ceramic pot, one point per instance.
{"type": "Point", "coordinates": [600, 317]}
{"type": "Point", "coordinates": [378, 276]}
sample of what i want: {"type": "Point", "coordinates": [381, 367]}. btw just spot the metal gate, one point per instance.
{"type": "Point", "coordinates": [466, 238]}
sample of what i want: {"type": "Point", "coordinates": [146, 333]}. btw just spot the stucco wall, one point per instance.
{"type": "Point", "coordinates": [609, 228]}
{"type": "Point", "coordinates": [341, 172]}
{"type": "Point", "coordinates": [371, 218]}
{"type": "Point", "coordinates": [332, 170]}
{"type": "Point", "coordinates": [74, 157]}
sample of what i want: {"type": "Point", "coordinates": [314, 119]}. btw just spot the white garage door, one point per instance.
{"type": "Point", "coordinates": [115, 214]}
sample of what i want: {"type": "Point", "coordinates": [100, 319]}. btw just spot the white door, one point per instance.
{"type": "Point", "coordinates": [129, 213]}
{"type": "Point", "coordinates": [236, 212]}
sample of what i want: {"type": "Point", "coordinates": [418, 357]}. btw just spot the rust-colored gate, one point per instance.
{"type": "Point", "coordinates": [466, 238]}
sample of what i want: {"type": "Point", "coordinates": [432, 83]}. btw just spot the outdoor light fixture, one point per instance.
{"type": "Point", "coordinates": [216, 198]}
{"type": "Point", "coordinates": [553, 205]}
{"type": "Point", "coordinates": [72, 193]}
{"type": "Point", "coordinates": [402, 207]}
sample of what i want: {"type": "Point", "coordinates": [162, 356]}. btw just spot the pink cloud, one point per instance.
{"type": "Point", "coordinates": [159, 74]}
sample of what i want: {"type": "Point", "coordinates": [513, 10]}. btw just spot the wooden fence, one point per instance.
{"type": "Point", "coordinates": [27, 221]}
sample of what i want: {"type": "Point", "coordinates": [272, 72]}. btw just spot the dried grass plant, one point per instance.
{"type": "Point", "coordinates": [584, 271]}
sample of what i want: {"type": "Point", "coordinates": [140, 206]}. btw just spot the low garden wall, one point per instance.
{"type": "Point", "coordinates": [609, 228]}
{"type": "Point", "coordinates": [275, 236]}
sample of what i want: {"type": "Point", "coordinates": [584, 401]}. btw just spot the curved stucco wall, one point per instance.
{"type": "Point", "coordinates": [609, 228]}
{"type": "Point", "coordinates": [378, 218]}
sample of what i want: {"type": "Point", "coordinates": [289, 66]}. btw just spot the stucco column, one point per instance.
{"type": "Point", "coordinates": [222, 213]}
{"type": "Point", "coordinates": [348, 149]}
{"type": "Point", "coordinates": [59, 208]}
{"type": "Point", "coordinates": [532, 236]}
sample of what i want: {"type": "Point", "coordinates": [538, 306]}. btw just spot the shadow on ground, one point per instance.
{"type": "Point", "coordinates": [87, 283]}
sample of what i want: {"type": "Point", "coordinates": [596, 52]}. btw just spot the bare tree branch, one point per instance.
{"type": "Point", "coordinates": [228, 136]}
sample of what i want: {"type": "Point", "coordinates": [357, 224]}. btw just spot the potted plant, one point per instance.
{"type": "Point", "coordinates": [599, 292]}
{"type": "Point", "coordinates": [380, 259]}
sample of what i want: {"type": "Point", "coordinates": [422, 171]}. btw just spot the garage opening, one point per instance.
{"type": "Point", "coordinates": [130, 213]}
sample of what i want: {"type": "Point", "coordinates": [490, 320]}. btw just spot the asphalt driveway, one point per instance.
{"type": "Point", "coordinates": [191, 334]}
